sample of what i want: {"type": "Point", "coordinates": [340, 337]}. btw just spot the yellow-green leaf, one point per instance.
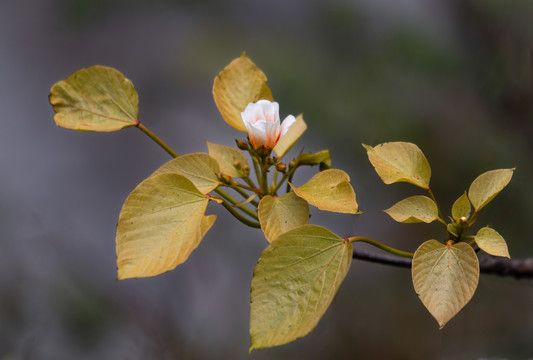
{"type": "Point", "coordinates": [461, 207]}
{"type": "Point", "coordinates": [294, 283]}
{"type": "Point", "coordinates": [490, 241]}
{"type": "Point", "coordinates": [414, 209]}
{"type": "Point", "coordinates": [97, 98]}
{"type": "Point", "coordinates": [279, 215]}
{"type": "Point", "coordinates": [199, 168]}
{"type": "Point", "coordinates": [445, 277]}
{"type": "Point", "coordinates": [228, 157]}
{"type": "Point", "coordinates": [161, 222]}
{"type": "Point", "coordinates": [291, 137]}
{"type": "Point", "coordinates": [322, 158]}
{"type": "Point", "coordinates": [329, 190]}
{"type": "Point", "coordinates": [400, 162]}
{"type": "Point", "coordinates": [240, 83]}
{"type": "Point", "coordinates": [487, 185]}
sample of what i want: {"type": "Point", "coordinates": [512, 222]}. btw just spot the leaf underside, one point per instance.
{"type": "Point", "coordinates": [414, 209]}
{"type": "Point", "coordinates": [237, 85]}
{"type": "Point", "coordinates": [487, 185]}
{"type": "Point", "coordinates": [445, 277]}
{"type": "Point", "coordinates": [199, 168]}
{"type": "Point", "coordinates": [400, 162]}
{"type": "Point", "coordinates": [491, 242]}
{"type": "Point", "coordinates": [294, 283]}
{"type": "Point", "coordinates": [97, 98]}
{"type": "Point", "coordinates": [329, 190]}
{"type": "Point", "coordinates": [161, 222]}
{"type": "Point", "coordinates": [227, 157]}
{"type": "Point", "coordinates": [291, 137]}
{"type": "Point", "coordinates": [279, 215]}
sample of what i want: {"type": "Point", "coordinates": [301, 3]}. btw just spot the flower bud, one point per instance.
{"type": "Point", "coordinates": [292, 164]}
{"type": "Point", "coordinates": [241, 144]}
{"type": "Point", "coordinates": [281, 167]}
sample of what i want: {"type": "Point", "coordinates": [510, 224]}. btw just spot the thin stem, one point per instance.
{"type": "Point", "coordinates": [287, 175]}
{"type": "Point", "coordinates": [256, 168]}
{"type": "Point", "coordinates": [438, 209]}
{"type": "Point", "coordinates": [157, 140]}
{"type": "Point", "coordinates": [264, 180]}
{"type": "Point", "coordinates": [245, 195]}
{"type": "Point", "coordinates": [381, 246]}
{"type": "Point", "coordinates": [239, 217]}
{"type": "Point", "coordinates": [473, 218]}
{"type": "Point", "coordinates": [442, 222]}
{"type": "Point", "coordinates": [242, 186]}
{"type": "Point", "coordinates": [233, 201]}
{"type": "Point", "coordinates": [274, 180]}
{"type": "Point", "coordinates": [248, 180]}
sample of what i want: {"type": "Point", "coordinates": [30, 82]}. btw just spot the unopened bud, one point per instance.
{"type": "Point", "coordinates": [241, 144]}
{"type": "Point", "coordinates": [462, 219]}
{"type": "Point", "coordinates": [225, 179]}
{"type": "Point", "coordinates": [281, 167]}
{"type": "Point", "coordinates": [237, 164]}
{"type": "Point", "coordinates": [246, 170]}
{"type": "Point", "coordinates": [292, 164]}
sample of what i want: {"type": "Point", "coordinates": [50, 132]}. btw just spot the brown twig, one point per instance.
{"type": "Point", "coordinates": [519, 268]}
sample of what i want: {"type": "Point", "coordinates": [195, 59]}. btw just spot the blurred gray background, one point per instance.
{"type": "Point", "coordinates": [453, 76]}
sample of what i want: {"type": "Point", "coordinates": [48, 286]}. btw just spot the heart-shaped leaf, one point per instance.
{"type": "Point", "coordinates": [414, 209]}
{"type": "Point", "coordinates": [227, 157]}
{"type": "Point", "coordinates": [461, 207]}
{"type": "Point", "coordinates": [161, 222]}
{"type": "Point", "coordinates": [491, 242]}
{"type": "Point", "coordinates": [288, 140]}
{"type": "Point", "coordinates": [400, 162]}
{"type": "Point", "coordinates": [240, 83]}
{"type": "Point", "coordinates": [97, 98]}
{"type": "Point", "coordinates": [487, 185]}
{"type": "Point", "coordinates": [279, 215]}
{"type": "Point", "coordinates": [199, 168]}
{"type": "Point", "coordinates": [445, 277]}
{"type": "Point", "coordinates": [294, 283]}
{"type": "Point", "coordinates": [329, 190]}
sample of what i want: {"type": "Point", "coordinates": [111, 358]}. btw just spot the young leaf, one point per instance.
{"type": "Point", "coordinates": [291, 137]}
{"type": "Point", "coordinates": [445, 277]}
{"type": "Point", "coordinates": [97, 98]}
{"type": "Point", "coordinates": [161, 222]}
{"type": "Point", "coordinates": [461, 207]}
{"type": "Point", "coordinates": [400, 161]}
{"type": "Point", "coordinates": [491, 242]}
{"type": "Point", "coordinates": [227, 157]}
{"type": "Point", "coordinates": [240, 83]}
{"type": "Point", "coordinates": [329, 190]}
{"type": "Point", "coordinates": [414, 209]}
{"type": "Point", "coordinates": [279, 215]}
{"type": "Point", "coordinates": [322, 158]}
{"type": "Point", "coordinates": [294, 283]}
{"type": "Point", "coordinates": [199, 168]}
{"type": "Point", "coordinates": [487, 185]}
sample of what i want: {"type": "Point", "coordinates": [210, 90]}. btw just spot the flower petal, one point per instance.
{"type": "Point", "coordinates": [269, 110]}
{"type": "Point", "coordinates": [273, 133]}
{"type": "Point", "coordinates": [258, 133]}
{"type": "Point", "coordinates": [289, 120]}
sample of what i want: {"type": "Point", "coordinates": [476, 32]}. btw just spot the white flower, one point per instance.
{"type": "Point", "coordinates": [262, 122]}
